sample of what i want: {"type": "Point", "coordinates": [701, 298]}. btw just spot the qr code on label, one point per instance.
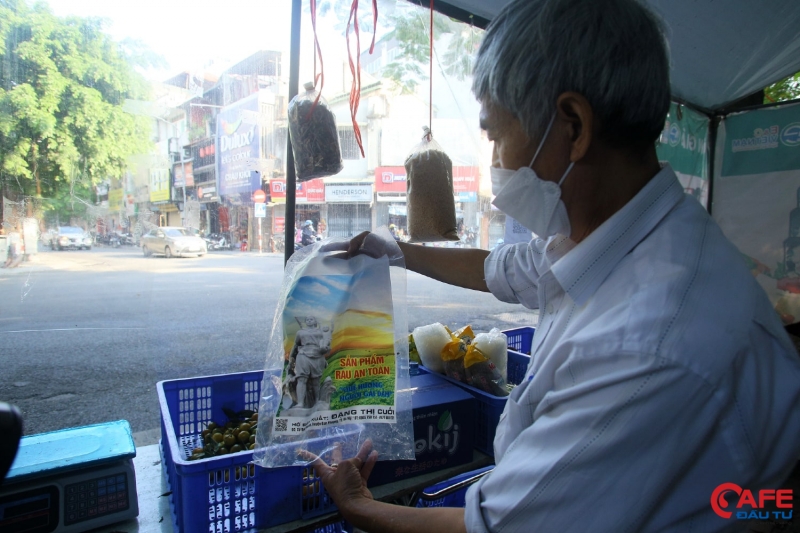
{"type": "Point", "coordinates": [280, 424]}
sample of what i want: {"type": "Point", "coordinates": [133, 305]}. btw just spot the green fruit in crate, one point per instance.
{"type": "Point", "coordinates": [223, 451]}
{"type": "Point", "coordinates": [236, 448]}
{"type": "Point", "coordinates": [244, 437]}
{"type": "Point", "coordinates": [244, 427]}
{"type": "Point", "coordinates": [252, 439]}
{"type": "Point", "coordinates": [229, 440]}
{"type": "Point", "coordinates": [217, 437]}
{"type": "Point", "coordinates": [212, 426]}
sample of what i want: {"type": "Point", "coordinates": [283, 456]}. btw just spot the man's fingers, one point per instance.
{"type": "Point", "coordinates": [366, 470]}
{"type": "Point", "coordinates": [363, 452]}
{"type": "Point", "coordinates": [321, 468]}
{"type": "Point", "coordinates": [337, 453]}
{"type": "Point", "coordinates": [356, 243]}
{"type": "Point", "coordinates": [339, 246]}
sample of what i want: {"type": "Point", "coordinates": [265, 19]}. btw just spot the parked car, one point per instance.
{"type": "Point", "coordinates": [173, 241]}
{"type": "Point", "coordinates": [48, 237]}
{"type": "Point", "coordinates": [70, 237]}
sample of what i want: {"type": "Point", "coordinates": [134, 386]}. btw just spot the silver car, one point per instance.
{"type": "Point", "coordinates": [69, 237]}
{"type": "Point", "coordinates": [173, 241]}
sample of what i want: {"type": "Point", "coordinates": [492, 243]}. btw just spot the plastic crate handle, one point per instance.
{"type": "Point", "coordinates": [430, 496]}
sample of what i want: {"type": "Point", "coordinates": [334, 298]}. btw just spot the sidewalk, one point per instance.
{"type": "Point", "coordinates": [33, 263]}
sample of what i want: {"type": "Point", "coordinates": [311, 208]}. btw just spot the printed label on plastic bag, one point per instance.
{"type": "Point", "coordinates": [339, 346]}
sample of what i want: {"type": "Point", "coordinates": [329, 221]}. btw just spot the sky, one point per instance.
{"type": "Point", "coordinates": [192, 34]}
{"type": "Point", "coordinates": [212, 35]}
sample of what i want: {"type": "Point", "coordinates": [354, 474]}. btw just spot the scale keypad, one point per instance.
{"type": "Point", "coordinates": [97, 497]}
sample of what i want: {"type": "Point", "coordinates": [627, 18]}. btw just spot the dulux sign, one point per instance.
{"type": "Point", "coordinates": [238, 145]}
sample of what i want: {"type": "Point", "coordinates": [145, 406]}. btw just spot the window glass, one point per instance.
{"type": "Point", "coordinates": [118, 122]}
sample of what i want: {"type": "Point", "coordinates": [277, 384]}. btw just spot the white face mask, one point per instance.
{"type": "Point", "coordinates": [532, 201]}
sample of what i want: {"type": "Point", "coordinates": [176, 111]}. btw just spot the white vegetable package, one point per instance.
{"type": "Point", "coordinates": [495, 346]}
{"type": "Point", "coordinates": [337, 362]}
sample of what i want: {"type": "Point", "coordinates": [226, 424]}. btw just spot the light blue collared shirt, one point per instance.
{"type": "Point", "coordinates": [659, 370]}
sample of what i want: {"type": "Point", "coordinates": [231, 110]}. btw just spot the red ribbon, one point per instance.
{"type": "Point", "coordinates": [355, 70]}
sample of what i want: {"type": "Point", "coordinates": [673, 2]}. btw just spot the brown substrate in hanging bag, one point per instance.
{"type": "Point", "coordinates": [431, 206]}
{"type": "Point", "coordinates": [315, 140]}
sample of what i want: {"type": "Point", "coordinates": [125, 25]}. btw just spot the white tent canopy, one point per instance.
{"type": "Point", "coordinates": [721, 51]}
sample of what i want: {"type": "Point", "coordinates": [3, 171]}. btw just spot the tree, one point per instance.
{"type": "Point", "coordinates": [411, 29]}
{"type": "Point", "coordinates": [62, 85]}
{"type": "Point", "coordinates": [786, 89]}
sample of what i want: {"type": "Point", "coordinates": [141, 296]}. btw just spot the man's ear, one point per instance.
{"type": "Point", "coordinates": [577, 113]}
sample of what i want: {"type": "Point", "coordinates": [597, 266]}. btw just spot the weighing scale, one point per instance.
{"type": "Point", "coordinates": [71, 480]}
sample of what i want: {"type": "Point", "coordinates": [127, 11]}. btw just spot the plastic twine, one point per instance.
{"type": "Point", "coordinates": [318, 78]}
{"type": "Point", "coordinates": [430, 83]}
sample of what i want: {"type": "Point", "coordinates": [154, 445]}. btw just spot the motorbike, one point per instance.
{"type": "Point", "coordinates": [126, 239]}
{"type": "Point", "coordinates": [108, 239]}
{"type": "Point", "coordinates": [217, 241]}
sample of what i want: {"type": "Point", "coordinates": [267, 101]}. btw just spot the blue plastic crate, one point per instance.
{"type": "Point", "coordinates": [488, 406]}
{"type": "Point", "coordinates": [454, 499]}
{"type": "Point", "coordinates": [520, 339]}
{"type": "Point", "coordinates": [227, 493]}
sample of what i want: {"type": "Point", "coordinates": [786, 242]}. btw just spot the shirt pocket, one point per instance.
{"type": "Point", "coordinates": [516, 417]}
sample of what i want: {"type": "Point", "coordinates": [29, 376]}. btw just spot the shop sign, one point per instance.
{"type": "Point", "coordinates": [310, 192]}
{"type": "Point", "coordinates": [467, 197]}
{"type": "Point", "coordinates": [390, 179]}
{"type": "Point", "coordinates": [465, 184]}
{"type": "Point", "coordinates": [115, 199]}
{"type": "Point", "coordinates": [279, 225]}
{"type": "Point", "coordinates": [238, 144]}
{"type": "Point", "coordinates": [307, 192]}
{"type": "Point", "coordinates": [348, 193]}
{"type": "Point", "coordinates": [184, 177]}
{"type": "Point", "coordinates": [159, 184]}
{"type": "Point", "coordinates": [465, 180]}
{"type": "Point", "coordinates": [277, 191]}
{"type": "Point", "coordinates": [207, 192]}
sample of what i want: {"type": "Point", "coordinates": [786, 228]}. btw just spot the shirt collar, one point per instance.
{"type": "Point", "coordinates": [581, 271]}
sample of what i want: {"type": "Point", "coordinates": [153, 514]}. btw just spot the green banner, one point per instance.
{"type": "Point", "coordinates": [764, 140]}
{"type": "Point", "coordinates": [684, 145]}
{"type": "Point", "coordinates": [684, 141]}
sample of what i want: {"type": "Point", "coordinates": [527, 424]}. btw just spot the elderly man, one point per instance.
{"type": "Point", "coordinates": [659, 369]}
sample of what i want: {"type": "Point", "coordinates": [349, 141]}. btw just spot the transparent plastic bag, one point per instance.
{"type": "Point", "coordinates": [315, 140]}
{"type": "Point", "coordinates": [337, 363]}
{"type": "Point", "coordinates": [482, 374]}
{"type": "Point", "coordinates": [454, 351]}
{"type": "Point", "coordinates": [429, 341]}
{"type": "Point", "coordinates": [495, 346]}
{"type": "Point", "coordinates": [430, 202]}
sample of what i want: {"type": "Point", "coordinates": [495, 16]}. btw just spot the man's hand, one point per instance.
{"type": "Point", "coordinates": [346, 480]}
{"type": "Point", "coordinates": [462, 267]}
{"type": "Point", "coordinates": [363, 243]}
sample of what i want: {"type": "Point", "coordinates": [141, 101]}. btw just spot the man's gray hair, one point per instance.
{"type": "Point", "coordinates": [613, 52]}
